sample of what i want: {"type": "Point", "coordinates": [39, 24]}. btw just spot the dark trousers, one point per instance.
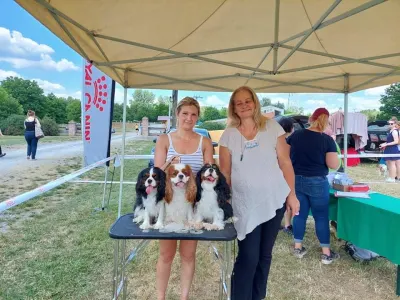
{"type": "Point", "coordinates": [32, 141]}
{"type": "Point", "coordinates": [251, 269]}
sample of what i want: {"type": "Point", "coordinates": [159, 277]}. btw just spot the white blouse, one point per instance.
{"type": "Point", "coordinates": [258, 185]}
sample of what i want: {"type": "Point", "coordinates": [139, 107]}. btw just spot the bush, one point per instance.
{"type": "Point", "coordinates": [13, 125]}
{"type": "Point", "coordinates": [49, 127]}
{"type": "Point", "coordinates": [213, 126]}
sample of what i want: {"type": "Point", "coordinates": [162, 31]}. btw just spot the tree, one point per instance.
{"type": "Point", "coordinates": [210, 113]}
{"type": "Point", "coordinates": [118, 112]}
{"type": "Point", "coordinates": [265, 102]}
{"type": "Point", "coordinates": [74, 110]}
{"type": "Point", "coordinates": [8, 105]}
{"type": "Point", "coordinates": [390, 102]}
{"type": "Point", "coordinates": [279, 105]}
{"type": "Point", "coordinates": [295, 110]}
{"type": "Point", "coordinates": [371, 114]}
{"type": "Point", "coordinates": [144, 96]}
{"type": "Point", "coordinates": [223, 112]}
{"type": "Point", "coordinates": [56, 108]}
{"type": "Point", "coordinates": [27, 93]}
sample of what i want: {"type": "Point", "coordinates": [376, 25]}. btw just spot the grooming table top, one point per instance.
{"type": "Point", "coordinates": [125, 228]}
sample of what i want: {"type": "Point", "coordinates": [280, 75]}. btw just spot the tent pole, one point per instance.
{"type": "Point", "coordinates": [346, 113]}
{"type": "Point", "coordinates": [121, 177]}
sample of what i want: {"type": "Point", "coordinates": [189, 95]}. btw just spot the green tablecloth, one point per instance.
{"type": "Point", "coordinates": [372, 224]}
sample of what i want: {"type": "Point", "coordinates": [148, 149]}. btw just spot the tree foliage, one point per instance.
{"type": "Point", "coordinates": [13, 125]}
{"type": "Point", "coordinates": [56, 108]}
{"type": "Point", "coordinates": [49, 127]}
{"type": "Point", "coordinates": [8, 105]}
{"type": "Point", "coordinates": [390, 102]}
{"type": "Point", "coordinates": [74, 110]}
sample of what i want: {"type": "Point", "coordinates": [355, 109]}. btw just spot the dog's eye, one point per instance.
{"type": "Point", "coordinates": [215, 166]}
{"type": "Point", "coordinates": [175, 173]}
{"type": "Point", "coordinates": [154, 176]}
{"type": "Point", "coordinates": [147, 175]}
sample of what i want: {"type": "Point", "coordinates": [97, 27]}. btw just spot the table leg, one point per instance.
{"type": "Point", "coordinates": [228, 270]}
{"type": "Point", "coordinates": [398, 281]}
{"type": "Point", "coordinates": [115, 273]}
{"type": "Point", "coordinates": [123, 267]}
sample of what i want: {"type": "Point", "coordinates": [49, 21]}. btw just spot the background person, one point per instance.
{"type": "Point", "coordinates": [194, 150]}
{"type": "Point", "coordinates": [1, 153]}
{"type": "Point", "coordinates": [254, 157]}
{"type": "Point", "coordinates": [391, 146]}
{"type": "Point", "coordinates": [30, 137]}
{"type": "Point", "coordinates": [313, 153]}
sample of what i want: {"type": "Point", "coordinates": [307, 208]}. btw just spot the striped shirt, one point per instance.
{"type": "Point", "coordinates": [194, 160]}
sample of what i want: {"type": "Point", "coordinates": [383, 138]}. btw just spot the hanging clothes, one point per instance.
{"type": "Point", "coordinates": [336, 121]}
{"type": "Point", "coordinates": [358, 126]}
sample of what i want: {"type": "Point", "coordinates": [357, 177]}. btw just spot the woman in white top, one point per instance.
{"type": "Point", "coordinates": [30, 122]}
{"type": "Point", "coordinates": [254, 157]}
{"type": "Point", "coordinates": [194, 150]}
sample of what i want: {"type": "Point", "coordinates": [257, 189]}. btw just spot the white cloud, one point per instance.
{"type": "Point", "coordinates": [317, 102]}
{"type": "Point", "coordinates": [45, 62]}
{"type": "Point", "coordinates": [49, 87]}
{"type": "Point", "coordinates": [377, 91]}
{"type": "Point", "coordinates": [4, 74]}
{"type": "Point", "coordinates": [215, 101]}
{"type": "Point", "coordinates": [361, 103]}
{"type": "Point", "coordinates": [14, 42]}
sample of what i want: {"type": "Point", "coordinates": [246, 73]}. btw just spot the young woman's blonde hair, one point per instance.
{"type": "Point", "coordinates": [30, 113]}
{"type": "Point", "coordinates": [233, 118]}
{"type": "Point", "coordinates": [321, 123]}
{"type": "Point", "coordinates": [188, 101]}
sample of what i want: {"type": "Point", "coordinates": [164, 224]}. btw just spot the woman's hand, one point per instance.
{"type": "Point", "coordinates": [383, 145]}
{"type": "Point", "coordinates": [292, 205]}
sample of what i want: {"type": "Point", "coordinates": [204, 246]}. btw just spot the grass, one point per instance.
{"type": "Point", "coordinates": [19, 140]}
{"type": "Point", "coordinates": [63, 251]}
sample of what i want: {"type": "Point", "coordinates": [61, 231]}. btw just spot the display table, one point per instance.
{"type": "Point", "coordinates": [125, 229]}
{"type": "Point", "coordinates": [373, 224]}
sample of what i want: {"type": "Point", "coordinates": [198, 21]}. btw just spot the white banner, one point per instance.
{"type": "Point", "coordinates": [97, 103]}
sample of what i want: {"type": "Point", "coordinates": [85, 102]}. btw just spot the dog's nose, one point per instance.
{"type": "Point", "coordinates": [180, 176]}
{"type": "Point", "coordinates": [211, 170]}
{"type": "Point", "coordinates": [149, 180]}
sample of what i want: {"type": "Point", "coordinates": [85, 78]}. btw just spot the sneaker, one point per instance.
{"type": "Point", "coordinates": [288, 230]}
{"type": "Point", "coordinates": [3, 154]}
{"type": "Point", "coordinates": [299, 253]}
{"type": "Point", "coordinates": [390, 180]}
{"type": "Point", "coordinates": [327, 260]}
{"type": "Point", "coordinates": [28, 157]}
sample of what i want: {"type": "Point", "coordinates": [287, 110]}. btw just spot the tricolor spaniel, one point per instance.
{"type": "Point", "coordinates": [180, 194]}
{"type": "Point", "coordinates": [150, 192]}
{"type": "Point", "coordinates": [213, 192]}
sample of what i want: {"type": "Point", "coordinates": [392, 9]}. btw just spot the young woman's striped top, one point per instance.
{"type": "Point", "coordinates": [194, 160]}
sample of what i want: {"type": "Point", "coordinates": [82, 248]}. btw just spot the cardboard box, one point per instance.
{"type": "Point", "coordinates": [341, 187]}
{"type": "Point", "coordinates": [355, 187]}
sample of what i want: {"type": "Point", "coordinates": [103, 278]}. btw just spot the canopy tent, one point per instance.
{"type": "Point", "coordinates": [272, 46]}
{"type": "Point", "coordinates": [291, 46]}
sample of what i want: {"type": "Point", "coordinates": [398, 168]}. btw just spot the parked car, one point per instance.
{"type": "Point", "coordinates": [201, 131]}
{"type": "Point", "coordinates": [299, 121]}
{"type": "Point", "coordinates": [377, 134]}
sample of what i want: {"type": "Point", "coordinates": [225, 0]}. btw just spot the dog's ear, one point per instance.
{"type": "Point", "coordinates": [161, 184]}
{"type": "Point", "coordinates": [198, 185]}
{"type": "Point", "coordinates": [191, 189]}
{"type": "Point", "coordinates": [139, 182]}
{"type": "Point", "coordinates": [222, 189]}
{"type": "Point", "coordinates": [168, 185]}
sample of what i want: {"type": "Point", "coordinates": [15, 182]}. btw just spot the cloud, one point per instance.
{"type": "Point", "coordinates": [15, 43]}
{"type": "Point", "coordinates": [213, 100]}
{"type": "Point", "coordinates": [377, 91]}
{"type": "Point", "coordinates": [49, 87]}
{"type": "Point", "coordinates": [317, 102]}
{"type": "Point", "coordinates": [279, 99]}
{"type": "Point", "coordinates": [45, 62]}
{"type": "Point", "coordinates": [4, 74]}
{"type": "Point", "coordinates": [361, 103]}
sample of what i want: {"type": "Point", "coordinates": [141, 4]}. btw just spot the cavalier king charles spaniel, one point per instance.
{"type": "Point", "coordinates": [213, 192]}
{"type": "Point", "coordinates": [180, 194]}
{"type": "Point", "coordinates": [150, 192]}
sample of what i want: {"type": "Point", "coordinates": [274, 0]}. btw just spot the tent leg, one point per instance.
{"type": "Point", "coordinates": [121, 177]}
{"type": "Point", "coordinates": [346, 113]}
{"type": "Point", "coordinates": [105, 187]}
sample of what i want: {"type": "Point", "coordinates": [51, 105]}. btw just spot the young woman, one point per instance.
{"type": "Point", "coordinates": [313, 153]}
{"type": "Point", "coordinates": [1, 153]}
{"type": "Point", "coordinates": [30, 137]}
{"type": "Point", "coordinates": [194, 150]}
{"type": "Point", "coordinates": [392, 147]}
{"type": "Point", "coordinates": [254, 157]}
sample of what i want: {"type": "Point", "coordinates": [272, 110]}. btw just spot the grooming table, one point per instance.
{"type": "Point", "coordinates": [125, 229]}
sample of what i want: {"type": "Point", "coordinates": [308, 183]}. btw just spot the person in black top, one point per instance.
{"type": "Point", "coordinates": [313, 153]}
{"type": "Point", "coordinates": [1, 153]}
{"type": "Point", "coordinates": [30, 122]}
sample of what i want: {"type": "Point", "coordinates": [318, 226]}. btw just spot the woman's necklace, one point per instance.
{"type": "Point", "coordinates": [243, 145]}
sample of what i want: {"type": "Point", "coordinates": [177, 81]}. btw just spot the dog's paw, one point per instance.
{"type": "Point", "coordinates": [145, 226]}
{"type": "Point", "coordinates": [218, 226]}
{"type": "Point", "coordinates": [209, 227]}
{"type": "Point", "coordinates": [158, 226]}
{"type": "Point", "coordinates": [137, 220]}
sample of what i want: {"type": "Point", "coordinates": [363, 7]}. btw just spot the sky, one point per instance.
{"type": "Point", "coordinates": [29, 50]}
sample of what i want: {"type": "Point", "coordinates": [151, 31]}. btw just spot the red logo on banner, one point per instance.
{"type": "Point", "coordinates": [97, 99]}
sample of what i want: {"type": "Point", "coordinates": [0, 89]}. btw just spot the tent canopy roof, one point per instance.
{"type": "Point", "coordinates": [217, 45]}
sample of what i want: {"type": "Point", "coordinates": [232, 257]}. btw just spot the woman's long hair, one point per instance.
{"type": "Point", "coordinates": [30, 113]}
{"type": "Point", "coordinates": [233, 118]}
{"type": "Point", "coordinates": [321, 123]}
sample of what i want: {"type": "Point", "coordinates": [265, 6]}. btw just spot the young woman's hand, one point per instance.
{"type": "Point", "coordinates": [383, 145]}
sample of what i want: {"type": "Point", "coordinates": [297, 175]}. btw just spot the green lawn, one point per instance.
{"type": "Point", "coordinates": [61, 250]}
{"type": "Point", "coordinates": [20, 140]}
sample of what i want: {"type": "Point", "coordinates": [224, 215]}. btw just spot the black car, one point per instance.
{"type": "Point", "coordinates": [377, 134]}
{"type": "Point", "coordinates": [299, 121]}
{"type": "Point", "coordinates": [201, 131]}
